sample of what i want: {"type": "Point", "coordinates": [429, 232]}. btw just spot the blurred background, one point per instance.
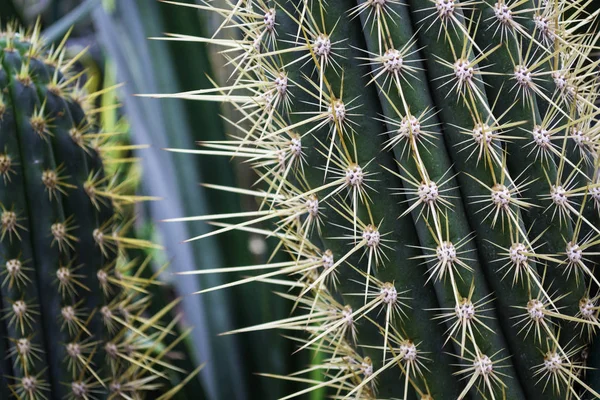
{"type": "Point", "coordinates": [118, 37]}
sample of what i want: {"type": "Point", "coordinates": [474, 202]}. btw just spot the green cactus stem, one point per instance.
{"type": "Point", "coordinates": [74, 320]}
{"type": "Point", "coordinates": [429, 166]}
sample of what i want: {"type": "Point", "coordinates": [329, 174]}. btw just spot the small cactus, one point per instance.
{"type": "Point", "coordinates": [430, 167]}
{"type": "Point", "coordinates": [73, 320]}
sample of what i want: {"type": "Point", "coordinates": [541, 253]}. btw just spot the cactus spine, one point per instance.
{"type": "Point", "coordinates": [431, 169]}
{"type": "Point", "coordinates": [74, 323]}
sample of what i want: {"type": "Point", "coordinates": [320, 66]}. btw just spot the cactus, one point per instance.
{"type": "Point", "coordinates": [74, 322]}
{"type": "Point", "coordinates": [430, 168]}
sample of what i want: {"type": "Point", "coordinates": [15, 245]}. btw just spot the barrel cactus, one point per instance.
{"type": "Point", "coordinates": [430, 168]}
{"type": "Point", "coordinates": [74, 322]}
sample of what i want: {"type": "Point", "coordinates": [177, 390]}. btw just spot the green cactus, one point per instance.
{"type": "Point", "coordinates": [430, 167]}
{"type": "Point", "coordinates": [74, 322]}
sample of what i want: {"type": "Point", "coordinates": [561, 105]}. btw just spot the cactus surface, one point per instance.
{"type": "Point", "coordinates": [430, 167]}
{"type": "Point", "coordinates": [74, 321]}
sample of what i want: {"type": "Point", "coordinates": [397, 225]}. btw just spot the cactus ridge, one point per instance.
{"type": "Point", "coordinates": [74, 322]}
{"type": "Point", "coordinates": [431, 169]}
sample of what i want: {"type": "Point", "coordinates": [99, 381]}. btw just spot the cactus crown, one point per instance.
{"type": "Point", "coordinates": [74, 320]}
{"type": "Point", "coordinates": [431, 169]}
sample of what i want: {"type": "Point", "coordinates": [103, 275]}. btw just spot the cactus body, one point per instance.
{"type": "Point", "coordinates": [73, 321]}
{"type": "Point", "coordinates": [431, 168]}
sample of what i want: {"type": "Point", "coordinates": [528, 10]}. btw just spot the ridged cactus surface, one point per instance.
{"type": "Point", "coordinates": [73, 323]}
{"type": "Point", "coordinates": [430, 167]}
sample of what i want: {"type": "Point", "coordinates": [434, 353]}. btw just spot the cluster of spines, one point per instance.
{"type": "Point", "coordinates": [74, 309]}
{"type": "Point", "coordinates": [489, 109]}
